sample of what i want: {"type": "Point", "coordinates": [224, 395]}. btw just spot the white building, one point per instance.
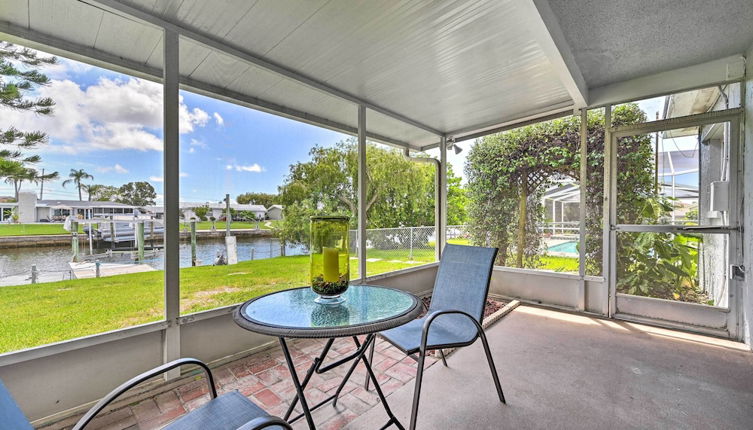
{"type": "Point", "coordinates": [31, 209]}
{"type": "Point", "coordinates": [274, 212]}
{"type": "Point", "coordinates": [216, 210]}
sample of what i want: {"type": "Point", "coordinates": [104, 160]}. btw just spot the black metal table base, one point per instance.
{"type": "Point", "coordinates": [317, 367]}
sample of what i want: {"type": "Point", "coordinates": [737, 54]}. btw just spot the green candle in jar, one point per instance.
{"type": "Point", "coordinates": [331, 264]}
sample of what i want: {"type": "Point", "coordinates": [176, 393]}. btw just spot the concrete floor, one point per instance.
{"type": "Point", "coordinates": [563, 371]}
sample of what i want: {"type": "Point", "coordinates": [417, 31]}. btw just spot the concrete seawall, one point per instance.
{"type": "Point", "coordinates": [65, 239]}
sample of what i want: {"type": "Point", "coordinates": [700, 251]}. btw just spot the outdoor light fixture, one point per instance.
{"type": "Point", "coordinates": [454, 146]}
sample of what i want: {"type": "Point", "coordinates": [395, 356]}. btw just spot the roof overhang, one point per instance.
{"type": "Point", "coordinates": [423, 70]}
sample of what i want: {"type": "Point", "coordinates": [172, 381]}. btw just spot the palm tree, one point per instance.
{"type": "Point", "coordinates": [76, 176]}
{"type": "Point", "coordinates": [92, 190]}
{"type": "Point", "coordinates": [15, 173]}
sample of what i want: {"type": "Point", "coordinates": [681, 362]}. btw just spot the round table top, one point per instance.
{"type": "Point", "coordinates": [294, 313]}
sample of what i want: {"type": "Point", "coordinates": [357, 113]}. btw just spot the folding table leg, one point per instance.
{"type": "Point", "coordinates": [297, 383]}
{"type": "Point", "coordinates": [314, 366]}
{"type": "Point", "coordinates": [371, 359]}
{"type": "Point", "coordinates": [393, 419]}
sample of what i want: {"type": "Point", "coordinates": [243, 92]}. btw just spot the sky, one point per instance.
{"type": "Point", "coordinates": [110, 125]}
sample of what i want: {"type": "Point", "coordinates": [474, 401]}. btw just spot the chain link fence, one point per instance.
{"type": "Point", "coordinates": [403, 244]}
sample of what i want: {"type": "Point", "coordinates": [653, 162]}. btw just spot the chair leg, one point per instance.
{"type": "Point", "coordinates": [444, 360]}
{"type": "Point", "coordinates": [417, 389]}
{"type": "Point", "coordinates": [492, 367]}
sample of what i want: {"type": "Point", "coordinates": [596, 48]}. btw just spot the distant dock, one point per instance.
{"type": "Point", "coordinates": [89, 269]}
{"type": "Point", "coordinates": [65, 239]}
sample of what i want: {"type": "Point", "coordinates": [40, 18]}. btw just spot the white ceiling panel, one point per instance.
{"type": "Point", "coordinates": [313, 101]}
{"type": "Point", "coordinates": [15, 11]}
{"type": "Point", "coordinates": [254, 81]}
{"type": "Point", "coordinates": [219, 69]}
{"type": "Point", "coordinates": [129, 38]}
{"type": "Point", "coordinates": [270, 22]}
{"type": "Point", "coordinates": [192, 55]}
{"type": "Point", "coordinates": [446, 65]}
{"type": "Point", "coordinates": [211, 17]}
{"type": "Point", "coordinates": [69, 20]}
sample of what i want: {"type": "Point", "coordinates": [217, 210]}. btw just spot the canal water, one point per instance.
{"type": "Point", "coordinates": [16, 261]}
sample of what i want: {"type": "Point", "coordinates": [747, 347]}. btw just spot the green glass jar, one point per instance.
{"type": "Point", "coordinates": [330, 262]}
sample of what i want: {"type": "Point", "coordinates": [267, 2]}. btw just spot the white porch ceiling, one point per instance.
{"type": "Point", "coordinates": [449, 67]}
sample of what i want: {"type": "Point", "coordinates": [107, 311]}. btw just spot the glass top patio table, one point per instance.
{"type": "Point", "coordinates": [295, 314]}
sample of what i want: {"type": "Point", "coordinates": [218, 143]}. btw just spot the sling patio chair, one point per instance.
{"type": "Point", "coordinates": [230, 411]}
{"type": "Point", "coordinates": [455, 314]}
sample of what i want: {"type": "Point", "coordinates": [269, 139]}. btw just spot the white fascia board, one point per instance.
{"type": "Point", "coordinates": [715, 72]}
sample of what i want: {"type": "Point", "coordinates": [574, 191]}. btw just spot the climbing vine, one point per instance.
{"type": "Point", "coordinates": [509, 172]}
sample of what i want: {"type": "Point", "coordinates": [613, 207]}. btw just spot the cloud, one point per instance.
{"type": "Point", "coordinates": [255, 168]}
{"type": "Point", "coordinates": [183, 175]}
{"type": "Point", "coordinates": [117, 168]}
{"type": "Point", "coordinates": [112, 114]}
{"type": "Point", "coordinates": [218, 119]}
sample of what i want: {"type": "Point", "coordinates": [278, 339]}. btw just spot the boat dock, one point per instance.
{"type": "Point", "coordinates": [89, 269]}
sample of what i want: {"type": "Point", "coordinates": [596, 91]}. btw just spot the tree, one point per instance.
{"type": "Point", "coordinates": [400, 191]}
{"type": "Point", "coordinates": [15, 173]}
{"type": "Point", "coordinates": [101, 193]}
{"type": "Point", "coordinates": [201, 212]}
{"type": "Point", "coordinates": [508, 172]}
{"type": "Point", "coordinates": [137, 194]}
{"type": "Point", "coordinates": [263, 199]}
{"type": "Point", "coordinates": [76, 176]}
{"type": "Point", "coordinates": [19, 74]}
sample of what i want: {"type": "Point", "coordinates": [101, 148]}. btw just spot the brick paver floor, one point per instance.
{"type": "Point", "coordinates": [264, 378]}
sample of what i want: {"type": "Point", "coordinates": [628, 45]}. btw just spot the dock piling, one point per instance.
{"type": "Point", "coordinates": [193, 243]}
{"type": "Point", "coordinates": [227, 215]}
{"type": "Point", "coordinates": [74, 240]}
{"type": "Point", "coordinates": [97, 272]}
{"type": "Point", "coordinates": [140, 240]}
{"type": "Point", "coordinates": [34, 273]}
{"type": "Point", "coordinates": [113, 236]}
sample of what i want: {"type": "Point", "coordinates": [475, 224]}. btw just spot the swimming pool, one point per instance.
{"type": "Point", "coordinates": [565, 247]}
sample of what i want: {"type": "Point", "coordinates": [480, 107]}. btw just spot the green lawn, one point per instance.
{"type": "Point", "coordinates": [50, 312]}
{"type": "Point", "coordinates": [32, 229]}
{"type": "Point", "coordinates": [559, 264]}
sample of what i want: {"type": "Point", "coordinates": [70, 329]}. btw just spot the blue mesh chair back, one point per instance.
{"type": "Point", "coordinates": [11, 416]}
{"type": "Point", "coordinates": [462, 281]}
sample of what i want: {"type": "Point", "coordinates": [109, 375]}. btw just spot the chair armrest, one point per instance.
{"type": "Point", "coordinates": [432, 316]}
{"type": "Point", "coordinates": [264, 422]}
{"type": "Point", "coordinates": [149, 374]}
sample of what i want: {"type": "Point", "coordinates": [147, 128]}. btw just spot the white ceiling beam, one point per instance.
{"type": "Point", "coordinates": [544, 26]}
{"type": "Point", "coordinates": [711, 73]}
{"type": "Point", "coordinates": [212, 42]}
